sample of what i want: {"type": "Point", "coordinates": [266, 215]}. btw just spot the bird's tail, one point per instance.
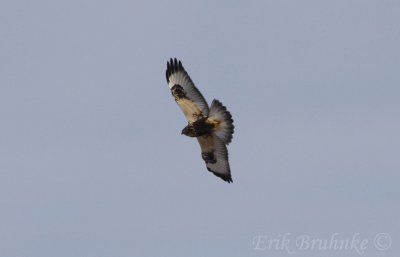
{"type": "Point", "coordinates": [222, 120]}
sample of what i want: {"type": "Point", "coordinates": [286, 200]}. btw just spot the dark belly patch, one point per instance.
{"type": "Point", "coordinates": [201, 127]}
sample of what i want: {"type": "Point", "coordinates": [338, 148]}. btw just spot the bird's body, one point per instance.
{"type": "Point", "coordinates": [212, 126]}
{"type": "Point", "coordinates": [198, 128]}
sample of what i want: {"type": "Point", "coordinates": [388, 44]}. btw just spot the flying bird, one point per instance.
{"type": "Point", "coordinates": [212, 126]}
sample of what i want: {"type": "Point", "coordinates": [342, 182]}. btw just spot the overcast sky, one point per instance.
{"type": "Point", "coordinates": [93, 163]}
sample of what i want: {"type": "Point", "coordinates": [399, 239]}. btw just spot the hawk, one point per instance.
{"type": "Point", "coordinates": [212, 126]}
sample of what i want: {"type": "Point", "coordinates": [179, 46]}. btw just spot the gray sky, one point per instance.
{"type": "Point", "coordinates": [92, 163]}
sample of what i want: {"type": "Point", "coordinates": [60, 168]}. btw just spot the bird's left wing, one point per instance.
{"type": "Point", "coordinates": [188, 97]}
{"type": "Point", "coordinates": [215, 154]}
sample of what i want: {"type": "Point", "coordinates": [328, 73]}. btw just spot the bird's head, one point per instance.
{"type": "Point", "coordinates": [185, 131]}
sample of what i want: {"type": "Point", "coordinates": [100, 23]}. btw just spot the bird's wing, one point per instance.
{"type": "Point", "coordinates": [188, 97]}
{"type": "Point", "coordinates": [215, 154]}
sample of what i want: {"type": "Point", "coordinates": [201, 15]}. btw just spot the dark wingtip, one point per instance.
{"type": "Point", "coordinates": [168, 71]}
{"type": "Point", "coordinates": [226, 178]}
{"type": "Point", "coordinates": [173, 65]}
